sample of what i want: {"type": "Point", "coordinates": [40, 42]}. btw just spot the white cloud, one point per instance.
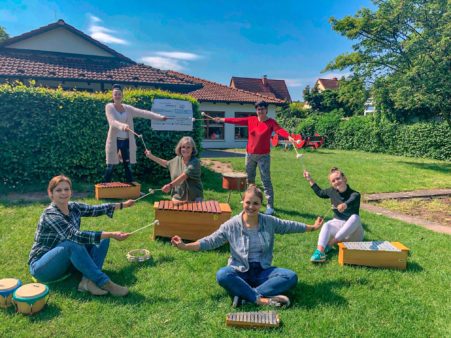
{"type": "Point", "coordinates": [179, 55]}
{"type": "Point", "coordinates": [102, 33]}
{"type": "Point", "coordinates": [170, 60]}
{"type": "Point", "coordinates": [163, 63]}
{"type": "Point", "coordinates": [294, 82]}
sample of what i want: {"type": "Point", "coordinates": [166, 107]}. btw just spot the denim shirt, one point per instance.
{"type": "Point", "coordinates": [234, 232]}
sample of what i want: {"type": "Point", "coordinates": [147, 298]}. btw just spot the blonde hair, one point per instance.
{"type": "Point", "coordinates": [253, 189]}
{"type": "Point", "coordinates": [186, 139]}
{"type": "Point", "coordinates": [57, 180]}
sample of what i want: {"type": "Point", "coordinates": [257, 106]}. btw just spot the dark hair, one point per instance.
{"type": "Point", "coordinates": [252, 188]}
{"type": "Point", "coordinates": [117, 86]}
{"type": "Point", "coordinates": [335, 169]}
{"type": "Point", "coordinates": [261, 104]}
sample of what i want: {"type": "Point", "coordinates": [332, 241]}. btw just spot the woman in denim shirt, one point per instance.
{"type": "Point", "coordinates": [249, 275]}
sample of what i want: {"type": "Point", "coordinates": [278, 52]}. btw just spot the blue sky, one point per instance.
{"type": "Point", "coordinates": [214, 40]}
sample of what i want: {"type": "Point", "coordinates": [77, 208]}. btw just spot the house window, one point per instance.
{"type": "Point", "coordinates": [241, 131]}
{"type": "Point", "coordinates": [213, 130]}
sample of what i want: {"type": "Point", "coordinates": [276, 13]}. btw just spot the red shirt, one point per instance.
{"type": "Point", "coordinates": [259, 133]}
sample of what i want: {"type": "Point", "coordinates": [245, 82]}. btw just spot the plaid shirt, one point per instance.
{"type": "Point", "coordinates": [55, 227]}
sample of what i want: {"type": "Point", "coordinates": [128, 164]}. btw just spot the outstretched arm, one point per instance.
{"type": "Point", "coordinates": [179, 244]}
{"type": "Point", "coordinates": [156, 159]}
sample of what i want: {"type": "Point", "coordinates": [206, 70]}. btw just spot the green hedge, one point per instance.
{"type": "Point", "coordinates": [45, 132]}
{"type": "Point", "coordinates": [374, 134]}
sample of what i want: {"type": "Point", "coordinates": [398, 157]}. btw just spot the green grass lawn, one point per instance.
{"type": "Point", "coordinates": [176, 293]}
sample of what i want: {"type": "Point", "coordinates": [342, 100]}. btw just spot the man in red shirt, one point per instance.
{"type": "Point", "coordinates": [260, 129]}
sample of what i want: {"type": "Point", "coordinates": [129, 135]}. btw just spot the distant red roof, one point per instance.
{"type": "Point", "coordinates": [263, 86]}
{"type": "Point", "coordinates": [16, 63]}
{"type": "Point", "coordinates": [329, 83]}
{"type": "Point", "coordinates": [216, 92]}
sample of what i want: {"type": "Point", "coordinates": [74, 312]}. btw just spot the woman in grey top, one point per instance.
{"type": "Point", "coordinates": [249, 275]}
{"type": "Point", "coordinates": [185, 171]}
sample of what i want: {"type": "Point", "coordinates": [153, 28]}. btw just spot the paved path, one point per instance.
{"type": "Point", "coordinates": [434, 226]}
{"type": "Point", "coordinates": [437, 227]}
{"type": "Point", "coordinates": [407, 194]}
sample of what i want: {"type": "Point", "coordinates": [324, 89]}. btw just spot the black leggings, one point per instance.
{"type": "Point", "coordinates": [124, 147]}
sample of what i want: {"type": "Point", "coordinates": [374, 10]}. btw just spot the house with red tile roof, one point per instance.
{"type": "Point", "coordinates": [61, 55]}
{"type": "Point", "coordinates": [323, 84]}
{"type": "Point", "coordinates": [264, 86]}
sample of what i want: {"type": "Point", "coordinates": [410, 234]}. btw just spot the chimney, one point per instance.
{"type": "Point", "coordinates": [334, 78]}
{"type": "Point", "coordinates": [265, 80]}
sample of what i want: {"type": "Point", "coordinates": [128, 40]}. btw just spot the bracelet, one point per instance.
{"type": "Point", "coordinates": [121, 205]}
{"type": "Point", "coordinates": [170, 185]}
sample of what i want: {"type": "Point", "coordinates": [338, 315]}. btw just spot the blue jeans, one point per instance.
{"type": "Point", "coordinates": [88, 259]}
{"type": "Point", "coordinates": [124, 147]}
{"type": "Point", "coordinates": [256, 282]}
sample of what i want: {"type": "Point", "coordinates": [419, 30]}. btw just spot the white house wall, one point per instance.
{"type": "Point", "coordinates": [60, 40]}
{"type": "Point", "coordinates": [229, 131]}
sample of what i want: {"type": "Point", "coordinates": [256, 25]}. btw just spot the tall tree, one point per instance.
{"type": "Point", "coordinates": [403, 45]}
{"type": "Point", "coordinates": [352, 95]}
{"type": "Point", "coordinates": [3, 35]}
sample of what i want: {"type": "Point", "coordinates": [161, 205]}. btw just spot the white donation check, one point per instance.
{"type": "Point", "coordinates": [179, 113]}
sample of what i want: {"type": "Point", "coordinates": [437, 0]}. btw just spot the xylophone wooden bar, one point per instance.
{"type": "Point", "coordinates": [117, 190]}
{"type": "Point", "coordinates": [264, 319]}
{"type": "Point", "coordinates": [189, 220]}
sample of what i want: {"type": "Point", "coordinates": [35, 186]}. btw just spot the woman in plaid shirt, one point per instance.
{"type": "Point", "coordinates": [59, 242]}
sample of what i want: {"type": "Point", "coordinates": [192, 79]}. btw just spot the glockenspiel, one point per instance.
{"type": "Point", "coordinates": [256, 319]}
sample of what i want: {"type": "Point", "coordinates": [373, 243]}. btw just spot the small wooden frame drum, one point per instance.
{"type": "Point", "coordinates": [263, 319]}
{"type": "Point", "coordinates": [117, 190]}
{"type": "Point", "coordinates": [138, 255]}
{"type": "Point", "coordinates": [31, 298]}
{"type": "Point", "coordinates": [7, 288]}
{"type": "Point", "coordinates": [190, 220]}
{"type": "Point", "coordinates": [376, 254]}
{"type": "Point", "coordinates": [234, 182]}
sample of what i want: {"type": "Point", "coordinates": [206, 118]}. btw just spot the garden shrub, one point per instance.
{"type": "Point", "coordinates": [376, 134]}
{"type": "Point", "coordinates": [46, 132]}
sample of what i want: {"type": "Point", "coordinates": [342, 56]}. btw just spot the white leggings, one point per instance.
{"type": "Point", "coordinates": [350, 230]}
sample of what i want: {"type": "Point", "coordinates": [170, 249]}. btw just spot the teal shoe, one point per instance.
{"type": "Point", "coordinates": [328, 249]}
{"type": "Point", "coordinates": [318, 257]}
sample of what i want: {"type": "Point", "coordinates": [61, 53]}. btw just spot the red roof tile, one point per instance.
{"type": "Point", "coordinates": [216, 92]}
{"type": "Point", "coordinates": [41, 65]}
{"type": "Point", "coordinates": [329, 83]}
{"type": "Point", "coordinates": [264, 86]}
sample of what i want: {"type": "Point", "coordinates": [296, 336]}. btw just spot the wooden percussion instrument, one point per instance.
{"type": "Point", "coordinates": [117, 190]}
{"type": "Point", "coordinates": [7, 288]}
{"type": "Point", "coordinates": [189, 220]}
{"type": "Point", "coordinates": [30, 298]}
{"type": "Point", "coordinates": [234, 182]}
{"type": "Point", "coordinates": [264, 319]}
{"type": "Point", "coordinates": [376, 254]}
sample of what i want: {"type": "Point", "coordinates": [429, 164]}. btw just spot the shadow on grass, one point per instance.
{"type": "Point", "coordinates": [311, 296]}
{"type": "Point", "coordinates": [443, 168]}
{"type": "Point", "coordinates": [294, 213]}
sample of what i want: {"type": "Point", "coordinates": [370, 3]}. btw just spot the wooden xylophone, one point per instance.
{"type": "Point", "coordinates": [117, 190]}
{"type": "Point", "coordinates": [189, 220]}
{"type": "Point", "coordinates": [380, 254]}
{"type": "Point", "coordinates": [264, 319]}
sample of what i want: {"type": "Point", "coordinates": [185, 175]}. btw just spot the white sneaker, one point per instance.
{"type": "Point", "coordinates": [269, 211]}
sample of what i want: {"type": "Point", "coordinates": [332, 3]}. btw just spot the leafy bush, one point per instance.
{"type": "Point", "coordinates": [376, 134]}
{"type": "Point", "coordinates": [45, 132]}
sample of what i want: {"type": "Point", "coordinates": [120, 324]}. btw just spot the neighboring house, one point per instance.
{"type": "Point", "coordinates": [60, 55]}
{"type": "Point", "coordinates": [323, 84]}
{"type": "Point", "coordinates": [264, 86]}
